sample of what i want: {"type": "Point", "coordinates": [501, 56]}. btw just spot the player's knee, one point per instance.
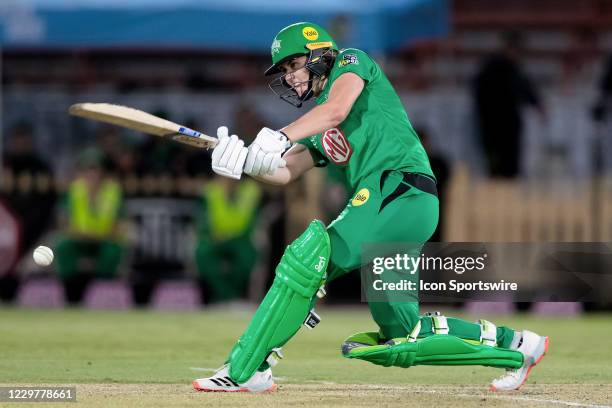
{"type": "Point", "coordinates": [305, 260]}
{"type": "Point", "coordinates": [395, 319]}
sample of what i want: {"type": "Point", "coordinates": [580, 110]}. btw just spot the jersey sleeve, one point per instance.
{"type": "Point", "coordinates": [319, 159]}
{"type": "Point", "coordinates": [355, 61]}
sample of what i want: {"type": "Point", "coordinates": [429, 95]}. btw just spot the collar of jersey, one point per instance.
{"type": "Point", "coordinates": [324, 93]}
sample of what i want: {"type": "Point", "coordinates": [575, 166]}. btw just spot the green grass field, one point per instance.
{"type": "Point", "coordinates": [145, 359]}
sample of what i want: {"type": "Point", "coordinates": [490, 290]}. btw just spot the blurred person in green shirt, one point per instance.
{"type": "Point", "coordinates": [91, 226]}
{"type": "Point", "coordinates": [225, 254]}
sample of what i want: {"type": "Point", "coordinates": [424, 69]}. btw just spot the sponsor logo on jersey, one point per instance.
{"type": "Point", "coordinates": [310, 33]}
{"type": "Point", "coordinates": [276, 45]}
{"type": "Point", "coordinates": [336, 146]}
{"type": "Point", "coordinates": [361, 197]}
{"type": "Point", "coordinates": [348, 59]}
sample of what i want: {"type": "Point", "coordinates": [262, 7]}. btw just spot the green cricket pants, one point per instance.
{"type": "Point", "coordinates": [410, 217]}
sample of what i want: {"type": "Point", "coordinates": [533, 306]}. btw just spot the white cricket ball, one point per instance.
{"type": "Point", "coordinates": [43, 256]}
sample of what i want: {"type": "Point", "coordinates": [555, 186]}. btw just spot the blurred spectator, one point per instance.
{"type": "Point", "coordinates": [602, 108]}
{"type": "Point", "coordinates": [91, 226]}
{"type": "Point", "coordinates": [198, 160]}
{"type": "Point", "coordinates": [225, 254]}
{"type": "Point", "coordinates": [108, 141]}
{"type": "Point", "coordinates": [247, 123]}
{"type": "Point", "coordinates": [501, 90]}
{"type": "Point", "coordinates": [30, 198]}
{"type": "Point", "coordinates": [120, 153]}
{"type": "Point", "coordinates": [602, 114]}
{"type": "Point", "coordinates": [441, 169]}
{"type": "Point", "coordinates": [161, 156]}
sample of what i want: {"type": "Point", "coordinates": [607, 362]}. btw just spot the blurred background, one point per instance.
{"type": "Point", "coordinates": [512, 101]}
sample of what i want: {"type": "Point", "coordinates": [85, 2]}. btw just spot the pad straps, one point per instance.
{"type": "Point", "coordinates": [414, 334]}
{"type": "Point", "coordinates": [488, 333]}
{"type": "Point", "coordinates": [439, 324]}
{"type": "Point", "coordinates": [275, 355]}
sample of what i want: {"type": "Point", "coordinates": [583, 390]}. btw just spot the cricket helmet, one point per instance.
{"type": "Point", "coordinates": [296, 40]}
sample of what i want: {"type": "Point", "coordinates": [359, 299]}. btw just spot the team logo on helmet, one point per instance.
{"type": "Point", "coordinates": [276, 45]}
{"type": "Point", "coordinates": [336, 146]}
{"type": "Point", "coordinates": [310, 33]}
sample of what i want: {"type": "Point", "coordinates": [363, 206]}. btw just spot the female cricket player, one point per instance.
{"type": "Point", "coordinates": [359, 124]}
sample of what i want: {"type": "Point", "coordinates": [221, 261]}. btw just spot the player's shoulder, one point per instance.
{"type": "Point", "coordinates": [344, 51]}
{"type": "Point", "coordinates": [353, 57]}
{"type": "Point", "coordinates": [352, 54]}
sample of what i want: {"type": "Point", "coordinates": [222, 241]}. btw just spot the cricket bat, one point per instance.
{"type": "Point", "coordinates": [143, 122]}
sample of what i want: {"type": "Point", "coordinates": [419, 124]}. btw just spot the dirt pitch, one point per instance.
{"type": "Point", "coordinates": [340, 395]}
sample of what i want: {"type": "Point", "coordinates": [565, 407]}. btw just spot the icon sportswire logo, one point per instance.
{"type": "Point", "coordinates": [336, 146]}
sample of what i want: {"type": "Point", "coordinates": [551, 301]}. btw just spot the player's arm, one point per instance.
{"type": "Point", "coordinates": [298, 161]}
{"type": "Point", "coordinates": [264, 153]}
{"type": "Point", "coordinates": [343, 94]}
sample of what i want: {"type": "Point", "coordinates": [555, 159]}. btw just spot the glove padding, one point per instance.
{"type": "Point", "coordinates": [265, 152]}
{"type": "Point", "coordinates": [229, 155]}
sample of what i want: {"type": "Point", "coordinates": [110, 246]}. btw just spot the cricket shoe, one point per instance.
{"type": "Point", "coordinates": [261, 381]}
{"type": "Point", "coordinates": [533, 347]}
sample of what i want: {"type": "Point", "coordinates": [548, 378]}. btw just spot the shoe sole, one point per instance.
{"type": "Point", "coordinates": [546, 341]}
{"type": "Point", "coordinates": [196, 387]}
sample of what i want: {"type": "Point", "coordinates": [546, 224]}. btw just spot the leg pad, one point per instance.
{"type": "Point", "coordinates": [439, 349]}
{"type": "Point", "coordinates": [286, 305]}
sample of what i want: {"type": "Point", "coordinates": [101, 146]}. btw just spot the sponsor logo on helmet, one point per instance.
{"type": "Point", "coordinates": [320, 44]}
{"type": "Point", "coordinates": [336, 146]}
{"type": "Point", "coordinates": [276, 45]}
{"type": "Point", "coordinates": [361, 197]}
{"type": "Point", "coordinates": [310, 33]}
{"type": "Point", "coordinates": [348, 59]}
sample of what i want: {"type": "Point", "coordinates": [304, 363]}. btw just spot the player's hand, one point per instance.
{"type": "Point", "coordinates": [229, 155]}
{"type": "Point", "coordinates": [265, 152]}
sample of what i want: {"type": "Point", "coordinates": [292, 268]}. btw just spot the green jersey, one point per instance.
{"type": "Point", "coordinates": [376, 135]}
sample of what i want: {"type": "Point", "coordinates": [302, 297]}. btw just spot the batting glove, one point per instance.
{"type": "Point", "coordinates": [229, 155]}
{"type": "Point", "coordinates": [265, 153]}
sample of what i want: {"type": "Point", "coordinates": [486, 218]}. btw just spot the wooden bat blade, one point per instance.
{"type": "Point", "coordinates": [141, 121]}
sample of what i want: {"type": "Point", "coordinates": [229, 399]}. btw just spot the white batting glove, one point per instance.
{"type": "Point", "coordinates": [265, 152]}
{"type": "Point", "coordinates": [229, 155]}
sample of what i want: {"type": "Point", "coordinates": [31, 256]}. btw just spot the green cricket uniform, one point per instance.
{"type": "Point", "coordinates": [375, 146]}
{"type": "Point", "coordinates": [393, 199]}
{"type": "Point", "coordinates": [376, 135]}
{"type": "Point", "coordinates": [375, 139]}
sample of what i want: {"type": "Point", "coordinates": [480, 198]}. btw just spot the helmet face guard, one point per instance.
{"type": "Point", "coordinates": [319, 63]}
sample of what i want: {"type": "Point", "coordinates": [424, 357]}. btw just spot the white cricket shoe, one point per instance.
{"type": "Point", "coordinates": [261, 381]}
{"type": "Point", "coordinates": [533, 347]}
